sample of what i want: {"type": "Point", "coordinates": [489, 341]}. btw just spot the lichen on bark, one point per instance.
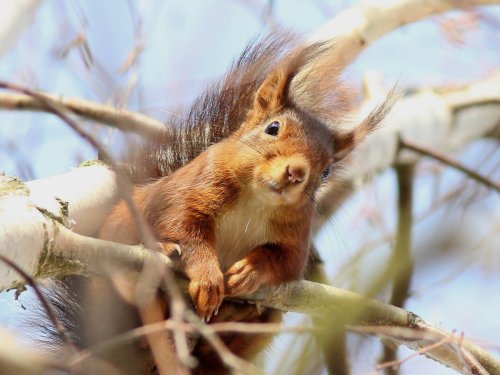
{"type": "Point", "coordinates": [11, 185]}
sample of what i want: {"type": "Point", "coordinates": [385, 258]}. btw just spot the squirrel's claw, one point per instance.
{"type": "Point", "coordinates": [170, 249]}
{"type": "Point", "coordinates": [207, 294]}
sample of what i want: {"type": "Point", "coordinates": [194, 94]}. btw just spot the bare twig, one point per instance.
{"type": "Point", "coordinates": [122, 119]}
{"type": "Point", "coordinates": [228, 358]}
{"type": "Point", "coordinates": [171, 325]}
{"type": "Point", "coordinates": [398, 362]}
{"type": "Point", "coordinates": [450, 162]}
{"type": "Point", "coordinates": [61, 331]}
{"type": "Point", "coordinates": [429, 341]}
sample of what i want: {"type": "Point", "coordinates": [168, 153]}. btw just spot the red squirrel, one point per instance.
{"type": "Point", "coordinates": [236, 186]}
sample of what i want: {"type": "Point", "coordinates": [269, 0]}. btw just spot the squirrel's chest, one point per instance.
{"type": "Point", "coordinates": [240, 230]}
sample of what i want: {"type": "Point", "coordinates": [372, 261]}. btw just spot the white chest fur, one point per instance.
{"type": "Point", "coordinates": [240, 230]}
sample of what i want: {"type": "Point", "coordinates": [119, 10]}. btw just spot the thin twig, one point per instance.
{"type": "Point", "coordinates": [228, 358]}
{"type": "Point", "coordinates": [171, 325]}
{"type": "Point", "coordinates": [450, 162]}
{"type": "Point", "coordinates": [178, 310]}
{"type": "Point", "coordinates": [61, 331]}
{"type": "Point", "coordinates": [120, 118]}
{"type": "Point", "coordinates": [398, 362]}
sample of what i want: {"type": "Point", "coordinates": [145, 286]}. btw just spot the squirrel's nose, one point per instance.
{"type": "Point", "coordinates": [296, 173]}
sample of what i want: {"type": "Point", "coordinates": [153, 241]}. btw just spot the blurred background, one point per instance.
{"type": "Point", "coordinates": [156, 56]}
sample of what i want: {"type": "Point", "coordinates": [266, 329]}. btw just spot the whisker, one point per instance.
{"type": "Point", "coordinates": [251, 145]}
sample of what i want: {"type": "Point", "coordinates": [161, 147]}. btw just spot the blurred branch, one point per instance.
{"type": "Point", "coordinates": [480, 93]}
{"type": "Point", "coordinates": [332, 342]}
{"type": "Point", "coordinates": [122, 119]}
{"type": "Point", "coordinates": [355, 28]}
{"type": "Point", "coordinates": [450, 162]}
{"type": "Point", "coordinates": [153, 263]}
{"type": "Point", "coordinates": [333, 303]}
{"type": "Point", "coordinates": [15, 18]}
{"type": "Point", "coordinates": [427, 340]}
{"type": "Point", "coordinates": [425, 117]}
{"type": "Point", "coordinates": [393, 366]}
{"type": "Point", "coordinates": [401, 263]}
{"type": "Point", "coordinates": [17, 359]}
{"type": "Point", "coordinates": [231, 360]}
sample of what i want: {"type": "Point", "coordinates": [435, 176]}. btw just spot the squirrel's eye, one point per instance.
{"type": "Point", "coordinates": [326, 172]}
{"type": "Point", "coordinates": [273, 128]}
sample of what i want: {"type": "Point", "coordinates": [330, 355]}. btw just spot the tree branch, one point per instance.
{"type": "Point", "coordinates": [401, 262]}
{"type": "Point", "coordinates": [303, 297]}
{"type": "Point", "coordinates": [355, 28]}
{"type": "Point", "coordinates": [426, 151]}
{"type": "Point", "coordinates": [119, 118]}
{"type": "Point", "coordinates": [425, 118]}
{"type": "Point", "coordinates": [332, 303]}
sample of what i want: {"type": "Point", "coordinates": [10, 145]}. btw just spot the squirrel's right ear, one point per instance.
{"type": "Point", "coordinates": [271, 96]}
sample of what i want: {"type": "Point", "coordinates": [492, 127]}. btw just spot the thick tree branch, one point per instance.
{"type": "Point", "coordinates": [423, 117]}
{"type": "Point", "coordinates": [358, 26]}
{"type": "Point", "coordinates": [479, 93]}
{"type": "Point", "coordinates": [35, 239]}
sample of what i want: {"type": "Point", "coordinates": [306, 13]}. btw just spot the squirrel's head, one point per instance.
{"type": "Point", "coordinates": [293, 150]}
{"type": "Point", "coordinates": [291, 154]}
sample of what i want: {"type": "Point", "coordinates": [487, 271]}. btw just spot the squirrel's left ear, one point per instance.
{"type": "Point", "coordinates": [346, 141]}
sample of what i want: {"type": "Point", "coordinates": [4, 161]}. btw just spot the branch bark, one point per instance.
{"type": "Point", "coordinates": [36, 238]}
{"type": "Point", "coordinates": [119, 118]}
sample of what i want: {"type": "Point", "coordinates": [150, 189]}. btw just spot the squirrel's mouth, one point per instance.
{"type": "Point", "coordinates": [273, 186]}
{"type": "Point", "coordinates": [275, 193]}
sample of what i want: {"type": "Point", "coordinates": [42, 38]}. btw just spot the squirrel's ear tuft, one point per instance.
{"type": "Point", "coordinates": [272, 94]}
{"type": "Point", "coordinates": [346, 141]}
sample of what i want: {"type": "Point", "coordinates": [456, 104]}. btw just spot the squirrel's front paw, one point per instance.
{"type": "Point", "coordinates": [207, 291]}
{"type": "Point", "coordinates": [243, 278]}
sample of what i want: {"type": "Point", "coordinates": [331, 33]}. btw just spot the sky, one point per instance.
{"type": "Point", "coordinates": [187, 44]}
